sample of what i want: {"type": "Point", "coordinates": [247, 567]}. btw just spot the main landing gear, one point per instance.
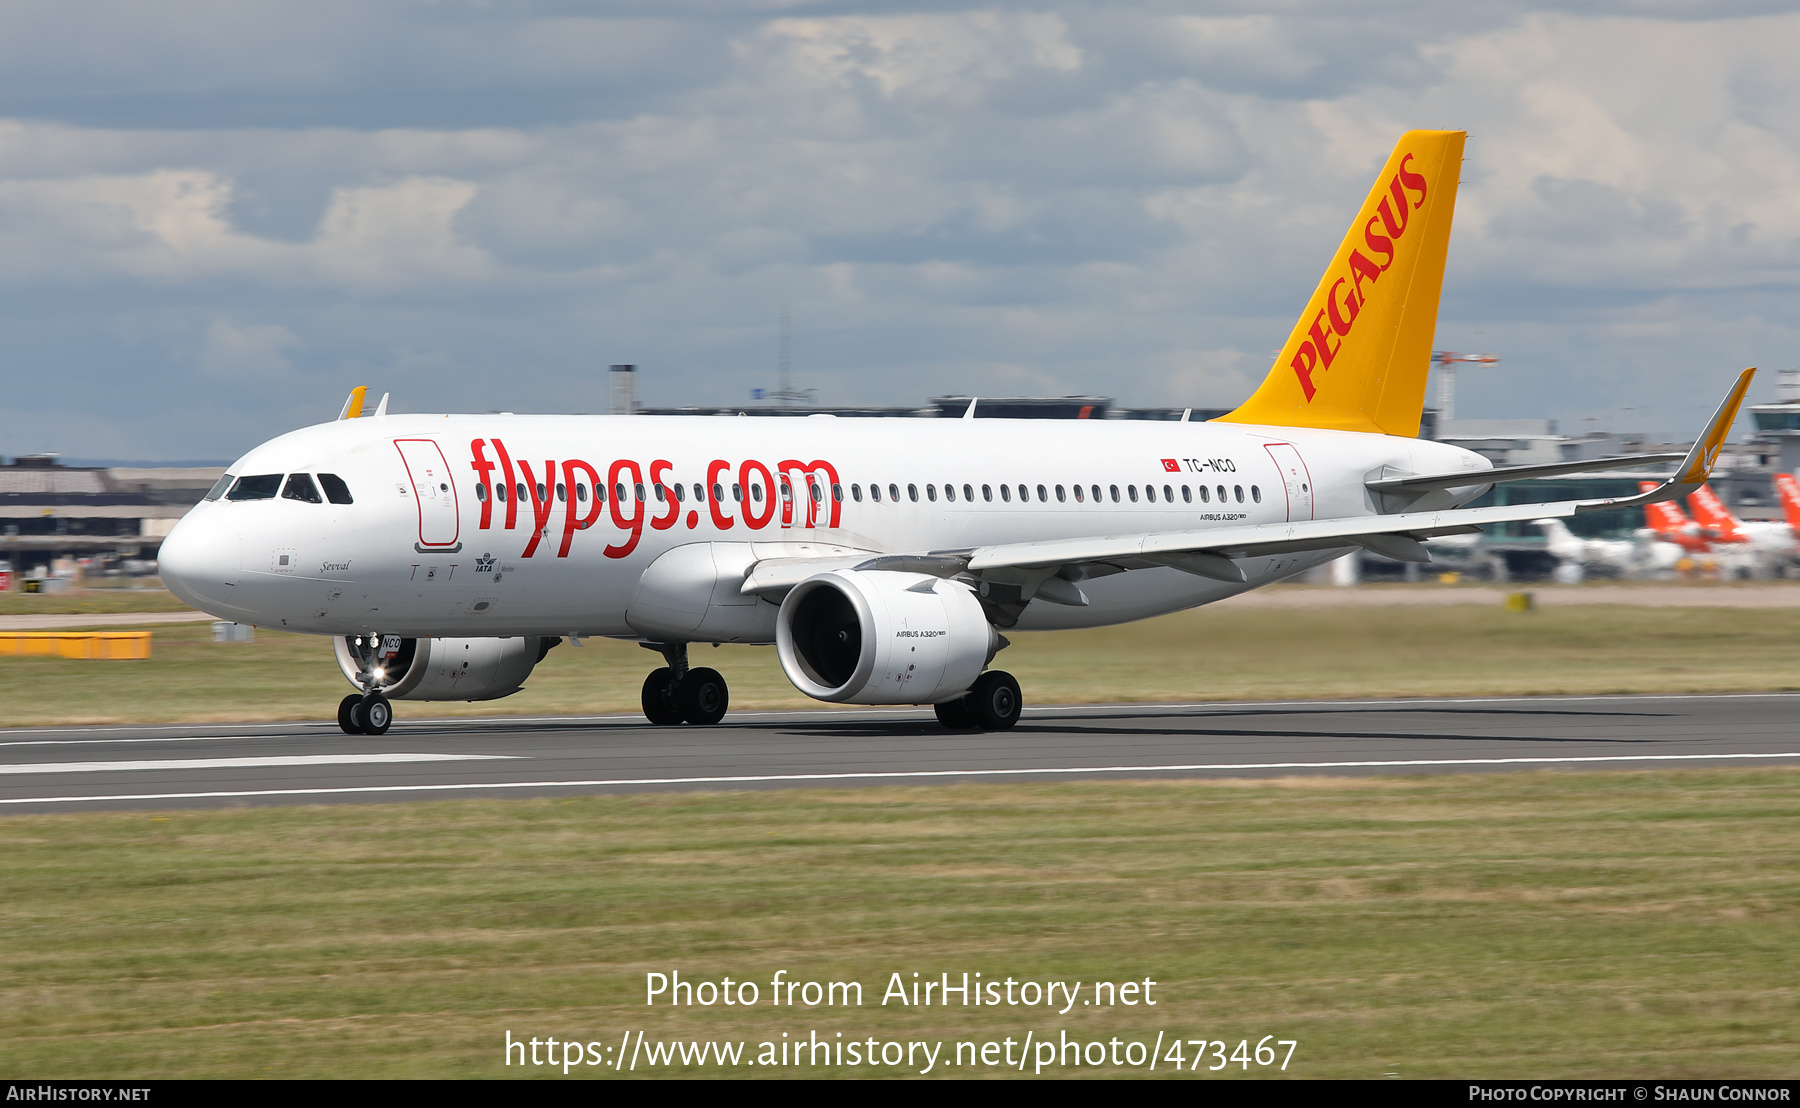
{"type": "Point", "coordinates": [993, 703]}
{"type": "Point", "coordinates": [676, 694]}
{"type": "Point", "coordinates": [365, 714]}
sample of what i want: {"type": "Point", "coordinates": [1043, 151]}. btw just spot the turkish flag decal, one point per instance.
{"type": "Point", "coordinates": [1171, 466]}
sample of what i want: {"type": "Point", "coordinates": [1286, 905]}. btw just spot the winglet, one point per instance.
{"type": "Point", "coordinates": [970, 414]}
{"type": "Point", "coordinates": [353, 406]}
{"type": "Point", "coordinates": [1696, 468]}
{"type": "Point", "coordinates": [381, 408]}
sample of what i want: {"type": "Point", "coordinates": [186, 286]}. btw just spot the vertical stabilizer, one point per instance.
{"type": "Point", "coordinates": [1788, 489]}
{"type": "Point", "coordinates": [1359, 357]}
{"type": "Point", "coordinates": [1712, 514]}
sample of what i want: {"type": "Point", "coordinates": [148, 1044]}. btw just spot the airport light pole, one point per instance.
{"type": "Point", "coordinates": [1446, 361]}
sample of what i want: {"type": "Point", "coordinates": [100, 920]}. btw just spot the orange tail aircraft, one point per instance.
{"type": "Point", "coordinates": [1787, 487]}
{"type": "Point", "coordinates": [1671, 524]}
{"type": "Point", "coordinates": [1712, 514]}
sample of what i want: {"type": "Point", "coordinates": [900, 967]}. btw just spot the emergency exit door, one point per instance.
{"type": "Point", "coordinates": [435, 492]}
{"type": "Point", "coordinates": [1295, 477]}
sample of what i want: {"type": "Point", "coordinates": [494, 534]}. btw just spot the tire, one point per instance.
{"type": "Point", "coordinates": [995, 701]}
{"type": "Point", "coordinates": [659, 706]}
{"type": "Point", "coordinates": [702, 697]}
{"type": "Point", "coordinates": [955, 714]}
{"type": "Point", "coordinates": [376, 715]}
{"type": "Point", "coordinates": [346, 714]}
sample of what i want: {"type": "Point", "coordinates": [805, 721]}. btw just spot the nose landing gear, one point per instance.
{"type": "Point", "coordinates": [676, 694]}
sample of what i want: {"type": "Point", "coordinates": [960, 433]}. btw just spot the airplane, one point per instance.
{"type": "Point", "coordinates": [1767, 540]}
{"type": "Point", "coordinates": [886, 560]}
{"type": "Point", "coordinates": [1644, 555]}
{"type": "Point", "coordinates": [1787, 489]}
{"type": "Point", "coordinates": [1669, 523]}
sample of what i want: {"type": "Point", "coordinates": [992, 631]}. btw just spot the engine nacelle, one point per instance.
{"type": "Point", "coordinates": [443, 669]}
{"type": "Point", "coordinates": [883, 637]}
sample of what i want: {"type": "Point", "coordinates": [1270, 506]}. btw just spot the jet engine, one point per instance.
{"type": "Point", "coordinates": [442, 669]}
{"type": "Point", "coordinates": [883, 637]}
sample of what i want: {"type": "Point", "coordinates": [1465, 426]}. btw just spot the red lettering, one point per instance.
{"type": "Point", "coordinates": [1321, 341]}
{"type": "Point", "coordinates": [1413, 181]}
{"type": "Point", "coordinates": [714, 501]}
{"type": "Point", "coordinates": [512, 497]}
{"type": "Point", "coordinates": [540, 502]}
{"type": "Point", "coordinates": [1388, 214]}
{"type": "Point", "coordinates": [664, 522]}
{"type": "Point", "coordinates": [1338, 323]}
{"type": "Point", "coordinates": [1304, 360]}
{"type": "Point", "coordinates": [1380, 244]}
{"type": "Point", "coordinates": [571, 523]}
{"type": "Point", "coordinates": [483, 468]}
{"type": "Point", "coordinates": [1362, 269]}
{"type": "Point", "coordinates": [751, 519]}
{"type": "Point", "coordinates": [636, 523]}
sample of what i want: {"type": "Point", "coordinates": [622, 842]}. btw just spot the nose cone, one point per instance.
{"type": "Point", "coordinates": [199, 562]}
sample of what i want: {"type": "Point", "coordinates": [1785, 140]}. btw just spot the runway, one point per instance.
{"type": "Point", "coordinates": [185, 766]}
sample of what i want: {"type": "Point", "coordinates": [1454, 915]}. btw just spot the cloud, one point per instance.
{"type": "Point", "coordinates": [479, 207]}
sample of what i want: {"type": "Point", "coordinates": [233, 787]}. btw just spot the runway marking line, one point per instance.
{"type": "Point", "coordinates": [267, 761]}
{"type": "Point", "coordinates": [894, 775]}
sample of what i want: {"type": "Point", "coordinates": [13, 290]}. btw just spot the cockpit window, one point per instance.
{"type": "Point", "coordinates": [300, 487]}
{"type": "Point", "coordinates": [220, 486]}
{"type": "Point", "coordinates": [262, 486]}
{"type": "Point", "coordinates": [335, 490]}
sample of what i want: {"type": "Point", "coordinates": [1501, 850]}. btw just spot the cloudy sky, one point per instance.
{"type": "Point", "coordinates": [215, 218]}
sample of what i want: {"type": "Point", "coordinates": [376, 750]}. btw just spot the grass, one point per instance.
{"type": "Point", "coordinates": [1208, 654]}
{"type": "Point", "coordinates": [1508, 925]}
{"type": "Point", "coordinates": [90, 601]}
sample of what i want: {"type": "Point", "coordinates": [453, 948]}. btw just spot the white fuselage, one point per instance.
{"type": "Point", "coordinates": [429, 548]}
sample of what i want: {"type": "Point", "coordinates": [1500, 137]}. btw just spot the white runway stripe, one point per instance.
{"type": "Point", "coordinates": [269, 762]}
{"type": "Point", "coordinates": [900, 775]}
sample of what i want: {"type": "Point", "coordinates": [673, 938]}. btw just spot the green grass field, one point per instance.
{"type": "Point", "coordinates": [1508, 925]}
{"type": "Point", "coordinates": [1207, 654]}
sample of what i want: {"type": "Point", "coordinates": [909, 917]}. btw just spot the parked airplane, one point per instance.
{"type": "Point", "coordinates": [1642, 556]}
{"type": "Point", "coordinates": [1769, 540]}
{"type": "Point", "coordinates": [446, 554]}
{"type": "Point", "coordinates": [1787, 488]}
{"type": "Point", "coordinates": [1669, 523]}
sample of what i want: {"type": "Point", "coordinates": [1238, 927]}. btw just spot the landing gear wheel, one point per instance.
{"type": "Point", "coordinates": [955, 714]}
{"type": "Point", "coordinates": [658, 699]}
{"type": "Point", "coordinates": [702, 697]}
{"type": "Point", "coordinates": [347, 714]}
{"type": "Point", "coordinates": [995, 700]}
{"type": "Point", "coordinates": [375, 714]}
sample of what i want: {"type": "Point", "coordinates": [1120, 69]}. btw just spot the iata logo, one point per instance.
{"type": "Point", "coordinates": [484, 564]}
{"type": "Point", "coordinates": [1318, 351]}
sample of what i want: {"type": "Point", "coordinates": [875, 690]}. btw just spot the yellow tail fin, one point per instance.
{"type": "Point", "coordinates": [1359, 357]}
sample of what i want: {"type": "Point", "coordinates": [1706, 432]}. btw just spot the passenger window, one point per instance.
{"type": "Point", "coordinates": [894, 492]}
{"type": "Point", "coordinates": [1150, 493]}
{"type": "Point", "coordinates": [1115, 493]}
{"type": "Point", "coordinates": [599, 493]}
{"type": "Point", "coordinates": [1239, 490]}
{"type": "Point", "coordinates": [637, 489]}
{"type": "Point", "coordinates": [1096, 489]}
{"type": "Point", "coordinates": [1077, 494]}
{"type": "Point", "coordinates": [581, 492]}
{"type": "Point", "coordinates": [856, 492]}
{"type": "Point", "coordinates": [481, 492]}
{"type": "Point", "coordinates": [837, 492]}
{"type": "Point", "coordinates": [1042, 499]}
{"type": "Point", "coordinates": [520, 489]}
{"type": "Point", "coordinates": [949, 492]}
{"type": "Point", "coordinates": [737, 492]}
{"type": "Point", "coordinates": [335, 490]}
{"type": "Point", "coordinates": [756, 493]}
{"type": "Point", "coordinates": [562, 492]}
{"type": "Point", "coordinates": [875, 493]}
{"type": "Point", "coordinates": [1059, 494]}
{"type": "Point", "coordinates": [987, 493]}
{"type": "Point", "coordinates": [1205, 496]}
{"type": "Point", "coordinates": [1187, 494]}
{"type": "Point", "coordinates": [1006, 493]}
{"type": "Point", "coordinates": [912, 491]}
{"type": "Point", "coordinates": [1168, 494]}
{"type": "Point", "coordinates": [931, 493]}
{"type": "Point", "coordinates": [969, 493]}
{"type": "Point", "coordinates": [661, 493]}
{"type": "Point", "coordinates": [1131, 491]}
{"type": "Point", "coordinates": [1222, 496]}
{"type": "Point", "coordinates": [814, 490]}
{"type": "Point", "coordinates": [263, 486]}
{"type": "Point", "coordinates": [500, 493]}
{"type": "Point", "coordinates": [220, 486]}
{"type": "Point", "coordinates": [1256, 493]}
{"type": "Point", "coordinates": [1024, 495]}
{"type": "Point", "coordinates": [540, 492]}
{"type": "Point", "coordinates": [300, 487]}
